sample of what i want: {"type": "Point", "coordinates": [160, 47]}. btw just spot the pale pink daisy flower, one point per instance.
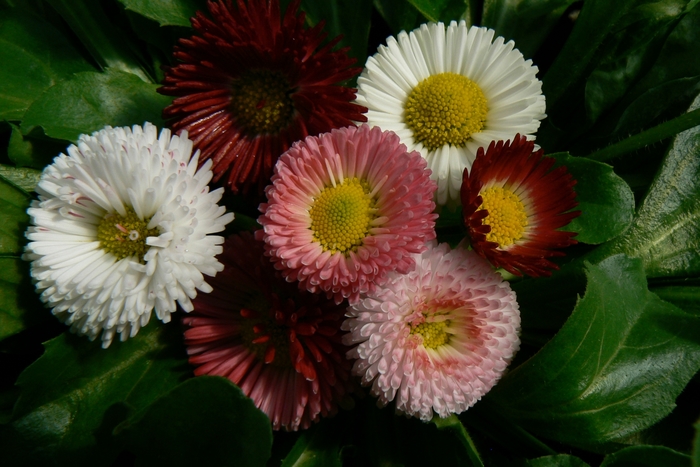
{"type": "Point", "coordinates": [282, 346]}
{"type": "Point", "coordinates": [438, 338]}
{"type": "Point", "coordinates": [345, 208]}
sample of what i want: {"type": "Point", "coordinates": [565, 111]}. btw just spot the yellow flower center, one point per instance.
{"type": "Point", "coordinates": [261, 102]}
{"type": "Point", "coordinates": [446, 108]}
{"type": "Point", "coordinates": [433, 334]}
{"type": "Point", "coordinates": [507, 216]}
{"type": "Point", "coordinates": [124, 236]}
{"type": "Point", "coordinates": [341, 216]}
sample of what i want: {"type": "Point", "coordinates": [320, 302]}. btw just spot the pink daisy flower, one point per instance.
{"type": "Point", "coordinates": [438, 338]}
{"type": "Point", "coordinates": [514, 205]}
{"type": "Point", "coordinates": [346, 208]}
{"type": "Point", "coordinates": [280, 345]}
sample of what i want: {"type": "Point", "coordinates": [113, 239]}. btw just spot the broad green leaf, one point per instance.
{"type": "Point", "coordinates": [166, 12]}
{"type": "Point", "coordinates": [13, 218]}
{"type": "Point", "coordinates": [646, 456]}
{"type": "Point", "coordinates": [76, 393]}
{"type": "Point", "coordinates": [560, 460]}
{"type": "Point", "coordinates": [591, 28]}
{"type": "Point", "coordinates": [606, 202]}
{"type": "Point", "coordinates": [349, 18]}
{"type": "Point", "coordinates": [206, 420]}
{"type": "Point", "coordinates": [317, 447]}
{"type": "Point", "coordinates": [454, 426]}
{"type": "Point", "coordinates": [441, 10]}
{"type": "Point", "coordinates": [526, 22]}
{"type": "Point", "coordinates": [28, 151]}
{"type": "Point", "coordinates": [400, 15]}
{"type": "Point", "coordinates": [23, 178]}
{"type": "Point", "coordinates": [631, 50]}
{"type": "Point", "coordinates": [684, 297]}
{"type": "Point", "coordinates": [614, 368]}
{"type": "Point", "coordinates": [34, 57]}
{"type": "Point", "coordinates": [20, 307]}
{"type": "Point", "coordinates": [90, 101]}
{"type": "Point", "coordinates": [665, 234]}
{"type": "Point", "coordinates": [109, 46]}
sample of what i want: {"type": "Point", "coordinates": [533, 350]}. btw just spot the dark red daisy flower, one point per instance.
{"type": "Point", "coordinates": [513, 205]}
{"type": "Point", "coordinates": [249, 83]}
{"type": "Point", "coordinates": [282, 346]}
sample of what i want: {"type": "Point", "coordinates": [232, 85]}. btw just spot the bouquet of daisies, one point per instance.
{"type": "Point", "coordinates": [389, 232]}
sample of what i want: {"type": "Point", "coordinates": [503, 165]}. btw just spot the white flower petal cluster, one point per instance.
{"type": "Point", "coordinates": [107, 175]}
{"type": "Point", "coordinates": [509, 83]}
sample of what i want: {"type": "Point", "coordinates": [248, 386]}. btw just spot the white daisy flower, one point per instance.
{"type": "Point", "coordinates": [122, 227]}
{"type": "Point", "coordinates": [446, 91]}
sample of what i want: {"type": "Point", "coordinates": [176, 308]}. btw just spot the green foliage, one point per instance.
{"type": "Point", "coordinates": [77, 393]}
{"type": "Point", "coordinates": [203, 421]}
{"type": "Point", "coordinates": [606, 202]}
{"type": "Point", "coordinates": [166, 12]}
{"type": "Point", "coordinates": [13, 218]}
{"type": "Point", "coordinates": [560, 460]}
{"type": "Point", "coordinates": [665, 234]}
{"type": "Point", "coordinates": [20, 307]}
{"type": "Point", "coordinates": [34, 57]}
{"type": "Point", "coordinates": [614, 368]}
{"type": "Point", "coordinates": [90, 101]}
{"type": "Point", "coordinates": [646, 456]}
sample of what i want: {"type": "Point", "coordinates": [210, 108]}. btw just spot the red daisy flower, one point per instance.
{"type": "Point", "coordinates": [282, 346]}
{"type": "Point", "coordinates": [513, 205]}
{"type": "Point", "coordinates": [250, 83]}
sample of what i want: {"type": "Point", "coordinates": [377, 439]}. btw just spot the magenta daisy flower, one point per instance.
{"type": "Point", "coordinates": [345, 208]}
{"type": "Point", "coordinates": [436, 339]}
{"type": "Point", "coordinates": [513, 206]}
{"type": "Point", "coordinates": [250, 83]}
{"type": "Point", "coordinates": [280, 345]}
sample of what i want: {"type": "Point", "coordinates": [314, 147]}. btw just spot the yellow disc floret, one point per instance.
{"type": "Point", "coordinates": [261, 102]}
{"type": "Point", "coordinates": [507, 216]}
{"type": "Point", "coordinates": [125, 236]}
{"type": "Point", "coordinates": [446, 108]}
{"type": "Point", "coordinates": [434, 334]}
{"type": "Point", "coordinates": [341, 216]}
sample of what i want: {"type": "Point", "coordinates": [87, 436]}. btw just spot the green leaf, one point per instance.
{"type": "Point", "coordinates": [109, 46]}
{"type": "Point", "coordinates": [606, 202]}
{"type": "Point", "coordinates": [13, 218]}
{"type": "Point", "coordinates": [349, 18]}
{"type": "Point", "coordinates": [76, 393]}
{"type": "Point", "coordinates": [20, 307]}
{"type": "Point", "coordinates": [317, 447]}
{"type": "Point", "coordinates": [560, 460]}
{"type": "Point", "coordinates": [527, 23]}
{"type": "Point", "coordinates": [400, 15]}
{"type": "Point", "coordinates": [218, 423]}
{"type": "Point", "coordinates": [34, 57]}
{"type": "Point", "coordinates": [25, 178]}
{"type": "Point", "coordinates": [665, 234]}
{"type": "Point", "coordinates": [630, 51]}
{"type": "Point", "coordinates": [646, 456]}
{"type": "Point", "coordinates": [452, 425]}
{"type": "Point", "coordinates": [614, 368]}
{"type": "Point", "coordinates": [591, 28]}
{"type": "Point", "coordinates": [28, 151]}
{"type": "Point", "coordinates": [441, 10]}
{"type": "Point", "coordinates": [686, 298]}
{"type": "Point", "coordinates": [90, 101]}
{"type": "Point", "coordinates": [166, 12]}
